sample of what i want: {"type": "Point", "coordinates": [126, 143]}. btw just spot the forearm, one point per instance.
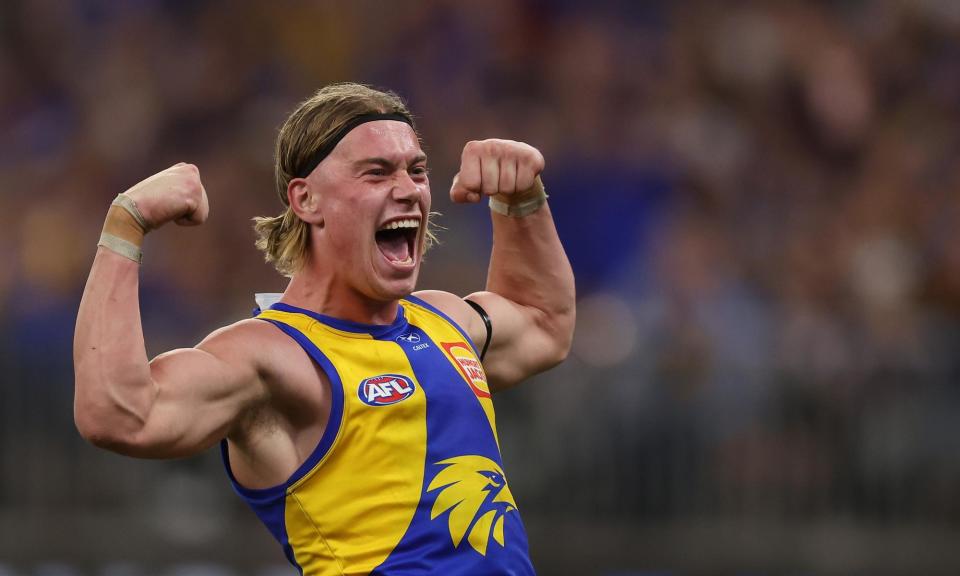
{"type": "Point", "coordinates": [114, 389]}
{"type": "Point", "coordinates": [118, 392]}
{"type": "Point", "coordinates": [529, 267]}
{"type": "Point", "coordinates": [530, 295]}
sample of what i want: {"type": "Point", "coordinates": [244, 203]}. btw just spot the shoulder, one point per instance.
{"type": "Point", "coordinates": [457, 310]}
{"type": "Point", "coordinates": [288, 376]}
{"type": "Point", "coordinates": [244, 337]}
{"type": "Point", "coordinates": [450, 304]}
{"type": "Point", "coordinates": [253, 343]}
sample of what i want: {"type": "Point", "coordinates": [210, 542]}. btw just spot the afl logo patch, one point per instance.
{"type": "Point", "coordinates": [385, 390]}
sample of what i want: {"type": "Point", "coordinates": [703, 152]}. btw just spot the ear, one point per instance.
{"type": "Point", "coordinates": [305, 201]}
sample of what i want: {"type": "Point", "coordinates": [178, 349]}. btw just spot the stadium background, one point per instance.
{"type": "Point", "coordinates": [760, 199]}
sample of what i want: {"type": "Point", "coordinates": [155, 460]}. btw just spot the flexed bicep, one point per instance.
{"type": "Point", "coordinates": [190, 399]}
{"type": "Point", "coordinates": [514, 340]}
{"type": "Point", "coordinates": [522, 340]}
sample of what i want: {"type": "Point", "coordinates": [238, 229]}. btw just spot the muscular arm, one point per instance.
{"type": "Point", "coordinates": [182, 401]}
{"type": "Point", "coordinates": [530, 294]}
{"type": "Point", "coordinates": [529, 297]}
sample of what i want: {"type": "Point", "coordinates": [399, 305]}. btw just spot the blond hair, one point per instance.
{"type": "Point", "coordinates": [285, 239]}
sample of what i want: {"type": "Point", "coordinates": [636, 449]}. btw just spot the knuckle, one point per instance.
{"type": "Point", "coordinates": [191, 202]}
{"type": "Point", "coordinates": [192, 184]}
{"type": "Point", "coordinates": [471, 148]}
{"type": "Point", "coordinates": [189, 193]}
{"type": "Point", "coordinates": [532, 158]}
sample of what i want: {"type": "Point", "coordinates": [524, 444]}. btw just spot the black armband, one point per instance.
{"type": "Point", "coordinates": [486, 322]}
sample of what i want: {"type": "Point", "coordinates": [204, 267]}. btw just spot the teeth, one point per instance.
{"type": "Point", "coordinates": [409, 223]}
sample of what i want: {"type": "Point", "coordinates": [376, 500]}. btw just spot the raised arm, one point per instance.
{"type": "Point", "coordinates": [530, 294]}
{"type": "Point", "coordinates": [182, 401]}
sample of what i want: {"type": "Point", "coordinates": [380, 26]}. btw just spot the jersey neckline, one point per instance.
{"type": "Point", "coordinates": [374, 330]}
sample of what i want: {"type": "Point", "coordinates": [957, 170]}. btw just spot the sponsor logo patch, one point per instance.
{"type": "Point", "coordinates": [385, 389]}
{"type": "Point", "coordinates": [471, 369]}
{"type": "Point", "coordinates": [411, 337]}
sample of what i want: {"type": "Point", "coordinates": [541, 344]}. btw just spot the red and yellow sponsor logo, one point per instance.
{"type": "Point", "coordinates": [468, 365]}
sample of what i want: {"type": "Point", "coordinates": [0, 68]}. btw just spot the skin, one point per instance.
{"type": "Point", "coordinates": [378, 170]}
{"type": "Point", "coordinates": [252, 384]}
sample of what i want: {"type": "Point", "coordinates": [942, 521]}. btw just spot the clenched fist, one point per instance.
{"type": "Point", "coordinates": [173, 194]}
{"type": "Point", "coordinates": [503, 169]}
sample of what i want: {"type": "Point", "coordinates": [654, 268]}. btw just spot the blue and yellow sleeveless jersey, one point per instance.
{"type": "Point", "coordinates": [407, 477]}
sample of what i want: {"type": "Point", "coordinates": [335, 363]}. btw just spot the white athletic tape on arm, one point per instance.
{"type": "Point", "coordinates": [122, 247]}
{"type": "Point", "coordinates": [127, 203]}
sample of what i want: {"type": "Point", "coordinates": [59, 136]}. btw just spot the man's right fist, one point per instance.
{"type": "Point", "coordinates": [173, 194]}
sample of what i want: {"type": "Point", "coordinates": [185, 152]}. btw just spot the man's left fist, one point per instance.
{"type": "Point", "coordinates": [502, 168]}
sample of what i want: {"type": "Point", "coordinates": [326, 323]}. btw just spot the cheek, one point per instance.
{"type": "Point", "coordinates": [425, 196]}
{"type": "Point", "coordinates": [347, 227]}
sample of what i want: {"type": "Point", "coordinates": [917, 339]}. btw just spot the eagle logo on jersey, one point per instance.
{"type": "Point", "coordinates": [475, 492]}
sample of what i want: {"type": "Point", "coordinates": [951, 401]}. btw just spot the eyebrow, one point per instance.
{"type": "Point", "coordinates": [379, 161]}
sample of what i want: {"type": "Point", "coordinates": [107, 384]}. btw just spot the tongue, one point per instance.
{"type": "Point", "coordinates": [394, 246]}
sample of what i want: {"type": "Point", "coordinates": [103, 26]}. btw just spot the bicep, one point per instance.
{"type": "Point", "coordinates": [519, 343]}
{"type": "Point", "coordinates": [199, 393]}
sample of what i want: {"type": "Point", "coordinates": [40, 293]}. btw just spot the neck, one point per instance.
{"type": "Point", "coordinates": [323, 294]}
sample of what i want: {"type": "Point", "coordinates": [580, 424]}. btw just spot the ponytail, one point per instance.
{"type": "Point", "coordinates": [283, 240]}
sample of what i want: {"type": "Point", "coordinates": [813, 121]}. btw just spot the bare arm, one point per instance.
{"type": "Point", "coordinates": [530, 294]}
{"type": "Point", "coordinates": [182, 401]}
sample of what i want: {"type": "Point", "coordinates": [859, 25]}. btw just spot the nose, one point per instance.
{"type": "Point", "coordinates": [406, 190]}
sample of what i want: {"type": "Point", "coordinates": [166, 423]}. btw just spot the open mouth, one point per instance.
{"type": "Point", "coordinates": [397, 240]}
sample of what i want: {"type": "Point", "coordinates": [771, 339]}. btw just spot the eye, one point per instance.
{"type": "Point", "coordinates": [375, 172]}
{"type": "Point", "coordinates": [419, 171]}
{"type": "Point", "coordinates": [493, 479]}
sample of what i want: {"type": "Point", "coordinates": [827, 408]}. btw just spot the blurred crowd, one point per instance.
{"type": "Point", "coordinates": [760, 200]}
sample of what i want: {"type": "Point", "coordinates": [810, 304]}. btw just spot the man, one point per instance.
{"type": "Point", "coordinates": [354, 416]}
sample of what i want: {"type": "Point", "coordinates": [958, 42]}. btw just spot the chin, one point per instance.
{"type": "Point", "coordinates": [390, 290]}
